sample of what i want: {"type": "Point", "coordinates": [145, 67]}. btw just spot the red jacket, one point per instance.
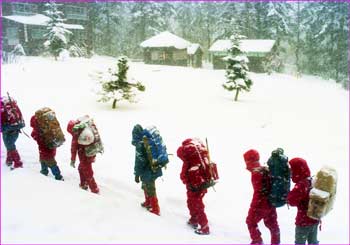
{"type": "Point", "coordinates": [77, 148]}
{"type": "Point", "coordinates": [44, 152]}
{"type": "Point", "coordinates": [259, 200]}
{"type": "Point", "coordinates": [190, 173]}
{"type": "Point", "coordinates": [80, 149]}
{"type": "Point", "coordinates": [299, 196]}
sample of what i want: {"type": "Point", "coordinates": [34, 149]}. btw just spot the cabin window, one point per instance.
{"type": "Point", "coordinates": [23, 8]}
{"type": "Point", "coordinates": [180, 55]}
{"type": "Point", "coordinates": [74, 12]}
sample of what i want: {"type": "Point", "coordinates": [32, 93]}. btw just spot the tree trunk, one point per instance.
{"type": "Point", "coordinates": [90, 35]}
{"type": "Point", "coordinates": [297, 50]}
{"type": "Point", "coordinates": [114, 104]}
{"type": "Point", "coordinates": [236, 96]}
{"type": "Point", "coordinates": [108, 27]}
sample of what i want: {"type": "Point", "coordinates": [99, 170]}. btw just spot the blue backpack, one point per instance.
{"type": "Point", "coordinates": [280, 178]}
{"type": "Point", "coordinates": [155, 148]}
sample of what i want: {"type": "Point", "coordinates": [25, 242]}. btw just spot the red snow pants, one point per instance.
{"type": "Point", "coordinates": [196, 207]}
{"type": "Point", "coordinates": [269, 216]}
{"type": "Point", "coordinates": [87, 176]}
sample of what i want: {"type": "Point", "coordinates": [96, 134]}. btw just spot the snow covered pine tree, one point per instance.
{"type": "Point", "coordinates": [236, 71]}
{"type": "Point", "coordinates": [56, 40]}
{"type": "Point", "coordinates": [115, 86]}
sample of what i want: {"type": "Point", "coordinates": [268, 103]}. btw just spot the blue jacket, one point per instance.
{"type": "Point", "coordinates": [142, 165]}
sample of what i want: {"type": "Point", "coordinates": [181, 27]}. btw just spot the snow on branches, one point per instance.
{"type": "Point", "coordinates": [114, 84]}
{"type": "Point", "coordinates": [237, 68]}
{"type": "Point", "coordinates": [56, 37]}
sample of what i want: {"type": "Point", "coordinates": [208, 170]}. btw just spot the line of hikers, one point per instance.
{"type": "Point", "coordinates": [271, 184]}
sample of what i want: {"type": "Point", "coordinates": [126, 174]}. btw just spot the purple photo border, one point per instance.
{"type": "Point", "coordinates": [87, 1]}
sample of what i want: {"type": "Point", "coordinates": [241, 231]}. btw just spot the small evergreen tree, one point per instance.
{"type": "Point", "coordinates": [56, 37]}
{"type": "Point", "coordinates": [236, 71]}
{"type": "Point", "coordinates": [115, 86]}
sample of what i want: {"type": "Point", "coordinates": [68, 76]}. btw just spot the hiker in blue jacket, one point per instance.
{"type": "Point", "coordinates": [143, 172]}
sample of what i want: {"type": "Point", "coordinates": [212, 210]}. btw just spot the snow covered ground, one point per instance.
{"type": "Point", "coordinates": [308, 117]}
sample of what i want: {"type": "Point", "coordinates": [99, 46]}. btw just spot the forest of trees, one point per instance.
{"type": "Point", "coordinates": [313, 36]}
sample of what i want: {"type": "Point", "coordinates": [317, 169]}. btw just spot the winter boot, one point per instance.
{"type": "Point", "coordinates": [16, 159]}
{"type": "Point", "coordinates": [192, 223]}
{"type": "Point", "coordinates": [9, 158]}
{"type": "Point", "coordinates": [56, 172]}
{"type": "Point", "coordinates": [146, 203]}
{"type": "Point", "coordinates": [93, 186]}
{"type": "Point", "coordinates": [203, 230]}
{"type": "Point", "coordinates": [257, 242]}
{"type": "Point", "coordinates": [84, 186]}
{"type": "Point", "coordinates": [154, 205]}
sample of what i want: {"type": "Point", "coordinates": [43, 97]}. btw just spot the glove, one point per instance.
{"type": "Point", "coordinates": [137, 179]}
{"type": "Point", "coordinates": [72, 164]}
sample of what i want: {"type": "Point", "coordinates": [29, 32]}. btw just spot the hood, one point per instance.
{"type": "Point", "coordinates": [137, 134]}
{"type": "Point", "coordinates": [251, 158]}
{"type": "Point", "coordinates": [70, 126]}
{"type": "Point", "coordinates": [299, 169]}
{"type": "Point", "coordinates": [193, 151]}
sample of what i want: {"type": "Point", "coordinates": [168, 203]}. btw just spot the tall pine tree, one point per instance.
{"type": "Point", "coordinates": [56, 37]}
{"type": "Point", "coordinates": [236, 71]}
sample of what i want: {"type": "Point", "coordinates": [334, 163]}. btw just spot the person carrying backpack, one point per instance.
{"type": "Point", "coordinates": [195, 157]}
{"type": "Point", "coordinates": [11, 124]}
{"type": "Point", "coordinates": [260, 207]}
{"type": "Point", "coordinates": [143, 171]}
{"type": "Point", "coordinates": [306, 228]}
{"type": "Point", "coordinates": [47, 153]}
{"type": "Point", "coordinates": [79, 146]}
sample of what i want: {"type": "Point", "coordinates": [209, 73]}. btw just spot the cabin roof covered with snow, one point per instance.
{"type": "Point", "coordinates": [192, 49]}
{"type": "Point", "coordinates": [39, 20]}
{"type": "Point", "coordinates": [165, 40]}
{"type": "Point", "coordinates": [247, 45]}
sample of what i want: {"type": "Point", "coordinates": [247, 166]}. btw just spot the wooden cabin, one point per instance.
{"type": "Point", "coordinates": [26, 24]}
{"type": "Point", "coordinates": [257, 51]}
{"type": "Point", "coordinates": [166, 48]}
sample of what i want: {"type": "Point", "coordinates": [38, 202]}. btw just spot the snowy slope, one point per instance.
{"type": "Point", "coordinates": [308, 117]}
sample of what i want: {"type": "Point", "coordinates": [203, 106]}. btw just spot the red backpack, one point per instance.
{"type": "Point", "coordinates": [202, 173]}
{"type": "Point", "coordinates": [11, 115]}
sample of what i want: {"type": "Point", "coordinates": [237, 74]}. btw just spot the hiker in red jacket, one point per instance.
{"type": "Point", "coordinates": [306, 228]}
{"type": "Point", "coordinates": [11, 124]}
{"type": "Point", "coordinates": [260, 208]}
{"type": "Point", "coordinates": [46, 155]}
{"type": "Point", "coordinates": [85, 163]}
{"type": "Point", "coordinates": [189, 155]}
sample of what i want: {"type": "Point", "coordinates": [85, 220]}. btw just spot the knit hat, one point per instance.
{"type": "Point", "coordinates": [299, 169]}
{"type": "Point", "coordinates": [251, 158]}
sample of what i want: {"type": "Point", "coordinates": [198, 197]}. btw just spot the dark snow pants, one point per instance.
{"type": "Point", "coordinates": [255, 215]}
{"type": "Point", "coordinates": [149, 188]}
{"type": "Point", "coordinates": [306, 233]}
{"type": "Point", "coordinates": [10, 138]}
{"type": "Point", "coordinates": [52, 164]}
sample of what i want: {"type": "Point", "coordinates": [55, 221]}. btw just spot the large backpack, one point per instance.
{"type": "Point", "coordinates": [280, 178]}
{"type": "Point", "coordinates": [203, 174]}
{"type": "Point", "coordinates": [322, 194]}
{"type": "Point", "coordinates": [89, 136]}
{"type": "Point", "coordinates": [49, 128]}
{"type": "Point", "coordinates": [155, 148]}
{"type": "Point", "coordinates": [13, 119]}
